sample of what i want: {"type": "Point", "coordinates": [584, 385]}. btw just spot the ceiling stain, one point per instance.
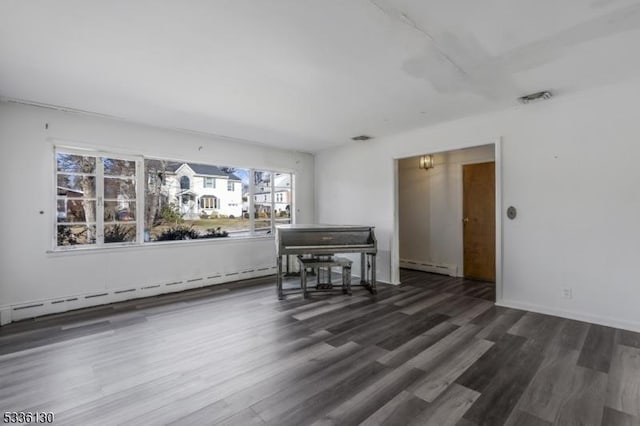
{"type": "Point", "coordinates": [598, 4]}
{"type": "Point", "coordinates": [554, 47]}
{"type": "Point", "coordinates": [454, 65]}
{"type": "Point", "coordinates": [457, 63]}
{"type": "Point", "coordinates": [403, 17]}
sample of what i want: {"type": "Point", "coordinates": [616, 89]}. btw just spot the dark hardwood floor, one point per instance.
{"type": "Point", "coordinates": [433, 351]}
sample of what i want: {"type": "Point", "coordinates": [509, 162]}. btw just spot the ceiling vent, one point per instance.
{"type": "Point", "coordinates": [540, 96]}
{"type": "Point", "coordinates": [361, 138]}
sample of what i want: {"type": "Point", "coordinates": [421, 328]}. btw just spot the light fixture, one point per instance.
{"type": "Point", "coordinates": [426, 162]}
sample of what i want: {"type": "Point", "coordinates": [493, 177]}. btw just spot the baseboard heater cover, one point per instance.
{"type": "Point", "coordinates": [451, 270]}
{"type": "Point", "coordinates": [10, 313]}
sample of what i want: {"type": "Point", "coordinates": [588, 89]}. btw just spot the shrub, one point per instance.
{"type": "Point", "coordinates": [66, 237]}
{"type": "Point", "coordinates": [117, 233]}
{"type": "Point", "coordinates": [178, 232]}
{"type": "Point", "coordinates": [171, 214]}
{"type": "Point", "coordinates": [204, 215]}
{"type": "Point", "coordinates": [231, 216]}
{"type": "Point", "coordinates": [215, 233]}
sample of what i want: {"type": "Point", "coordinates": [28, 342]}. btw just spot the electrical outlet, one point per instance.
{"type": "Point", "coordinates": [566, 293]}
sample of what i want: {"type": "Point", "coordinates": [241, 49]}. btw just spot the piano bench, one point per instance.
{"type": "Point", "coordinates": [325, 262]}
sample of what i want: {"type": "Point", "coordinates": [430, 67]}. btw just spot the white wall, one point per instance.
{"type": "Point", "coordinates": [571, 167]}
{"type": "Point", "coordinates": [430, 210]}
{"type": "Point", "coordinates": [31, 275]}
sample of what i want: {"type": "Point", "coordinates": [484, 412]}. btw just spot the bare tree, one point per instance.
{"type": "Point", "coordinates": [154, 177]}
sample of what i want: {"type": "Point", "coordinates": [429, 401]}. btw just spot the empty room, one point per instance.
{"type": "Point", "coordinates": [378, 212]}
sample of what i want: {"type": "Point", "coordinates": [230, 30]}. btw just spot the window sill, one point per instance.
{"type": "Point", "coordinates": [155, 245]}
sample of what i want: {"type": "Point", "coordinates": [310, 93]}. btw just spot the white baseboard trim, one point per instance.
{"type": "Point", "coordinates": [445, 269]}
{"type": "Point", "coordinates": [578, 316]}
{"type": "Point", "coordinates": [5, 315]}
{"type": "Point", "coordinates": [25, 310]}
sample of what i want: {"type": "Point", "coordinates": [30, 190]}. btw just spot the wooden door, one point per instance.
{"type": "Point", "coordinates": [479, 221]}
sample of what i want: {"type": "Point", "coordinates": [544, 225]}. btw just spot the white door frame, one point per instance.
{"type": "Point", "coordinates": [395, 244]}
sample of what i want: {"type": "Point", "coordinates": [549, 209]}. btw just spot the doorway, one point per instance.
{"type": "Point", "coordinates": [430, 231]}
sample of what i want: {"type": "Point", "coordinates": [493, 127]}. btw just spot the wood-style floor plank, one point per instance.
{"type": "Point", "coordinates": [554, 381]}
{"type": "Point", "coordinates": [440, 378]}
{"type": "Point", "coordinates": [623, 393]}
{"type": "Point", "coordinates": [435, 350]}
{"type": "Point", "coordinates": [598, 348]}
{"type": "Point", "coordinates": [613, 417]}
{"type": "Point", "coordinates": [402, 409]}
{"type": "Point", "coordinates": [448, 408]}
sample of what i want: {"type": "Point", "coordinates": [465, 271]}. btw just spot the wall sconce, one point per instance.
{"type": "Point", "coordinates": [426, 162]}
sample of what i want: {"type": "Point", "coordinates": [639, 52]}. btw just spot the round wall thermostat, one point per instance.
{"type": "Point", "coordinates": [511, 212]}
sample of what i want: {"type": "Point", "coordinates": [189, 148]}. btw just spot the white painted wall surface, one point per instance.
{"type": "Point", "coordinates": [430, 207]}
{"type": "Point", "coordinates": [30, 273]}
{"type": "Point", "coordinates": [571, 167]}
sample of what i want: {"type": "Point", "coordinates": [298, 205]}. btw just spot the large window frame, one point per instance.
{"type": "Point", "coordinates": [100, 223]}
{"type": "Point", "coordinates": [100, 197]}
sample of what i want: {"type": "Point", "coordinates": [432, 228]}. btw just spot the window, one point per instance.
{"type": "Point", "coordinates": [209, 182]}
{"type": "Point", "coordinates": [108, 199]}
{"type": "Point", "coordinates": [209, 202]}
{"type": "Point", "coordinates": [282, 205]}
{"type": "Point", "coordinates": [262, 204]}
{"type": "Point", "coordinates": [185, 182]}
{"type": "Point", "coordinates": [96, 199]}
{"type": "Point", "coordinates": [166, 209]}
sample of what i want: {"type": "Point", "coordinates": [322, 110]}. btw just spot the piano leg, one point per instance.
{"type": "Point", "coordinates": [373, 290]}
{"type": "Point", "coordinates": [346, 279]}
{"type": "Point", "coordinates": [279, 279]}
{"type": "Point", "coordinates": [368, 277]}
{"type": "Point", "coordinates": [303, 282]}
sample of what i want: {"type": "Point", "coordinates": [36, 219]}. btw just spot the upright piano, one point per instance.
{"type": "Point", "coordinates": [326, 240]}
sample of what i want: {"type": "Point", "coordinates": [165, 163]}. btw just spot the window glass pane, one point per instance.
{"type": "Point", "coordinates": [76, 186]}
{"type": "Point", "coordinates": [123, 190]}
{"type": "Point", "coordinates": [72, 211]}
{"type": "Point", "coordinates": [159, 212]}
{"type": "Point", "coordinates": [116, 167]}
{"type": "Point", "coordinates": [119, 233]}
{"type": "Point", "coordinates": [78, 193]}
{"type": "Point", "coordinates": [72, 235]}
{"type": "Point", "coordinates": [119, 211]}
{"type": "Point", "coordinates": [262, 197]}
{"type": "Point", "coordinates": [185, 182]}
{"type": "Point", "coordinates": [75, 163]}
{"type": "Point", "coordinates": [282, 197]}
{"type": "Point", "coordinates": [203, 206]}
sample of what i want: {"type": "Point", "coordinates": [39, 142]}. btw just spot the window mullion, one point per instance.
{"type": "Point", "coordinates": [252, 191]}
{"type": "Point", "coordinates": [100, 201]}
{"type": "Point", "coordinates": [292, 201]}
{"type": "Point", "coordinates": [140, 206]}
{"type": "Point", "coordinates": [273, 202]}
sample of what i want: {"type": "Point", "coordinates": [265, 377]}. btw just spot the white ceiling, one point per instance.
{"type": "Point", "coordinates": [307, 75]}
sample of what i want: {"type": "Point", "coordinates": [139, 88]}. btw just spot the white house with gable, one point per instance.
{"type": "Point", "coordinates": [199, 189]}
